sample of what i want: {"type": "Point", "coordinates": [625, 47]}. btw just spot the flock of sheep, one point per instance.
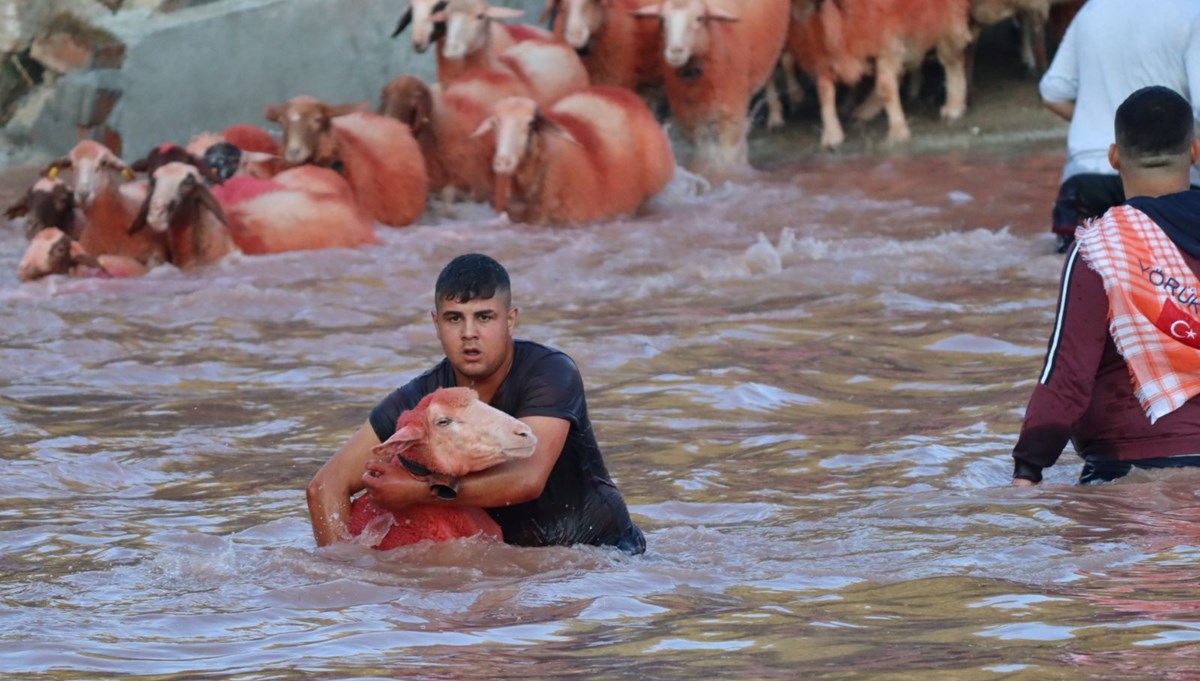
{"type": "Point", "coordinates": [547, 124]}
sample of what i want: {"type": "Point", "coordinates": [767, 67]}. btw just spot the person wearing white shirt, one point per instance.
{"type": "Point", "coordinates": [1111, 49]}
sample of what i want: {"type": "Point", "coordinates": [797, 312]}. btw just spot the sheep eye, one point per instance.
{"type": "Point", "coordinates": [444, 421]}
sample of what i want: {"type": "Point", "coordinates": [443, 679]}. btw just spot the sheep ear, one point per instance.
{"type": "Point", "coordinates": [718, 15]}
{"type": "Point", "coordinates": [21, 207]}
{"type": "Point", "coordinates": [550, 13]}
{"type": "Point", "coordinates": [51, 171]}
{"type": "Point", "coordinates": [650, 11]}
{"type": "Point", "coordinates": [210, 202]}
{"type": "Point", "coordinates": [543, 124]}
{"type": "Point", "coordinates": [504, 13]}
{"type": "Point", "coordinates": [405, 20]}
{"type": "Point", "coordinates": [400, 441]}
{"type": "Point", "coordinates": [273, 112]}
{"type": "Point", "coordinates": [139, 222]}
{"type": "Point", "coordinates": [485, 127]}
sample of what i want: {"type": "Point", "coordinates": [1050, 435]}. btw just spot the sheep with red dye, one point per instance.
{"type": "Point", "coordinates": [109, 203]}
{"type": "Point", "coordinates": [302, 208]}
{"type": "Point", "coordinates": [257, 153]}
{"type": "Point", "coordinates": [48, 203]}
{"type": "Point", "coordinates": [616, 48]}
{"type": "Point", "coordinates": [376, 154]}
{"type": "Point", "coordinates": [180, 207]}
{"type": "Point", "coordinates": [716, 55]}
{"type": "Point", "coordinates": [449, 434]}
{"type": "Point", "coordinates": [841, 42]}
{"type": "Point", "coordinates": [595, 154]}
{"type": "Point", "coordinates": [549, 67]}
{"type": "Point", "coordinates": [52, 251]}
{"type": "Point", "coordinates": [443, 120]}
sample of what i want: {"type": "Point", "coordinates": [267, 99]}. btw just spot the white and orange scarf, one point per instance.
{"type": "Point", "coordinates": [1152, 297]}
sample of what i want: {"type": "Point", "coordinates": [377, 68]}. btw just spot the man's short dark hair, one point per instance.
{"type": "Point", "coordinates": [472, 276]}
{"type": "Point", "coordinates": [1155, 128]}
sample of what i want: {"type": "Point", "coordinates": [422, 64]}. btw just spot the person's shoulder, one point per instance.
{"type": "Point", "coordinates": [532, 352]}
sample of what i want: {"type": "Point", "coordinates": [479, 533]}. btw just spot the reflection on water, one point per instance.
{"type": "Point", "coordinates": [807, 387]}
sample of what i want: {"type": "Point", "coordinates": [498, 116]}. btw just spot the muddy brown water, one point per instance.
{"type": "Point", "coordinates": [807, 385]}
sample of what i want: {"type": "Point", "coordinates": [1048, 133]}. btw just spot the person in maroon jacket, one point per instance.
{"type": "Point", "coordinates": [1085, 393]}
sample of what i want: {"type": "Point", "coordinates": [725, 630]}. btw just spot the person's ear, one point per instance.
{"type": "Point", "coordinates": [1114, 157]}
{"type": "Point", "coordinates": [1195, 151]}
{"type": "Point", "coordinates": [512, 318]}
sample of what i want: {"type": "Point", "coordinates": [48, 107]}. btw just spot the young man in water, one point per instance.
{"type": "Point", "coordinates": [561, 495]}
{"type": "Point", "coordinates": [1123, 368]}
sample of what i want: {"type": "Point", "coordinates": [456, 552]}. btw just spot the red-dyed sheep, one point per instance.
{"type": "Point", "coordinates": [443, 120]}
{"type": "Point", "coordinates": [377, 155]}
{"type": "Point", "coordinates": [840, 41]}
{"type": "Point", "coordinates": [616, 48]}
{"type": "Point", "coordinates": [51, 251]}
{"type": "Point", "coordinates": [180, 206]}
{"type": "Point", "coordinates": [449, 434]}
{"type": "Point", "coordinates": [303, 208]}
{"type": "Point", "coordinates": [109, 204]}
{"type": "Point", "coordinates": [48, 203]}
{"type": "Point", "coordinates": [716, 55]}
{"type": "Point", "coordinates": [594, 154]}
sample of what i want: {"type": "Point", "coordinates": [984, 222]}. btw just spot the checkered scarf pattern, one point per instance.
{"type": "Point", "coordinates": [1148, 285]}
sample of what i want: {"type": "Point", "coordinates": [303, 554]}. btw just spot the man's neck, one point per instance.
{"type": "Point", "coordinates": [1154, 187]}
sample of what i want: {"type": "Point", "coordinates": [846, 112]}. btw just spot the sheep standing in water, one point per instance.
{"type": "Point", "coordinates": [449, 434]}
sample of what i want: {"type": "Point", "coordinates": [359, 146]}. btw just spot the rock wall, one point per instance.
{"type": "Point", "coordinates": [161, 70]}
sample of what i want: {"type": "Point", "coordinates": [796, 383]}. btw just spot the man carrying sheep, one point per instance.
{"type": "Point", "coordinates": [562, 495]}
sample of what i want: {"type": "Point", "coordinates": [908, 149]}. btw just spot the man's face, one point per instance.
{"type": "Point", "coordinates": [476, 335]}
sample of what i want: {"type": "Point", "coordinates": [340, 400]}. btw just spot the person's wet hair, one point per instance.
{"type": "Point", "coordinates": [1154, 128]}
{"type": "Point", "coordinates": [470, 277]}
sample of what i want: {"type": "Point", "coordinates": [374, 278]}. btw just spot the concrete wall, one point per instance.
{"type": "Point", "coordinates": [217, 64]}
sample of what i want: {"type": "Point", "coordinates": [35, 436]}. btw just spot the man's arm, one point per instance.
{"type": "Point", "coordinates": [340, 478]}
{"type": "Point", "coordinates": [1064, 110]}
{"type": "Point", "coordinates": [1059, 86]}
{"type": "Point", "coordinates": [510, 483]}
{"type": "Point", "coordinates": [1064, 389]}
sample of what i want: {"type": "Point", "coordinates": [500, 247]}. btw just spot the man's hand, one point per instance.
{"type": "Point", "coordinates": [1022, 482]}
{"type": "Point", "coordinates": [394, 488]}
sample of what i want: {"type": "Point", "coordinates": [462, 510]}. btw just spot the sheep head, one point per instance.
{"type": "Point", "coordinates": [177, 192]}
{"type": "Point", "coordinates": [518, 123]}
{"type": "Point", "coordinates": [306, 123]}
{"type": "Point", "coordinates": [409, 100]}
{"type": "Point", "coordinates": [48, 203]}
{"type": "Point", "coordinates": [685, 27]}
{"type": "Point", "coordinates": [425, 30]}
{"type": "Point", "coordinates": [583, 19]}
{"type": "Point", "coordinates": [468, 25]}
{"type": "Point", "coordinates": [451, 433]}
{"type": "Point", "coordinates": [51, 251]}
{"type": "Point", "coordinates": [95, 169]}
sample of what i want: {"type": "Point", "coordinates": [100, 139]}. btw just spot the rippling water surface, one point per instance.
{"type": "Point", "coordinates": [807, 386]}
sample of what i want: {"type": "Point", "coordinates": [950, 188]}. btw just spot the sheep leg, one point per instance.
{"type": "Point", "coordinates": [869, 108]}
{"type": "Point", "coordinates": [952, 53]}
{"type": "Point", "coordinates": [774, 105]}
{"type": "Point", "coordinates": [831, 128]}
{"type": "Point", "coordinates": [795, 93]}
{"type": "Point", "coordinates": [887, 86]}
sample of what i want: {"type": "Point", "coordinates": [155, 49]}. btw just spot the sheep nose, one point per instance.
{"type": "Point", "coordinates": [504, 165]}
{"type": "Point", "coordinates": [577, 37]}
{"type": "Point", "coordinates": [676, 56]}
